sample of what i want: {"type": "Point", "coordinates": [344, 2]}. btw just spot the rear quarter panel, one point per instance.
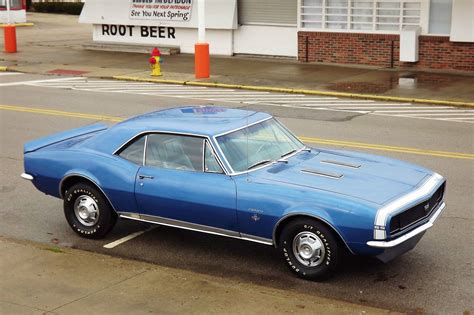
{"type": "Point", "coordinates": [114, 175]}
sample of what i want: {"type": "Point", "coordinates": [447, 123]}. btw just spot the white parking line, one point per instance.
{"type": "Point", "coordinates": [471, 113]}
{"type": "Point", "coordinates": [261, 98]}
{"type": "Point", "coordinates": [390, 107]}
{"type": "Point", "coordinates": [128, 238]}
{"type": "Point", "coordinates": [153, 91]}
{"type": "Point", "coordinates": [286, 99]}
{"type": "Point", "coordinates": [321, 100]}
{"type": "Point", "coordinates": [459, 118]}
{"type": "Point", "coordinates": [351, 104]}
{"type": "Point", "coordinates": [429, 111]}
{"type": "Point", "coordinates": [313, 108]}
{"type": "Point", "coordinates": [9, 73]}
{"type": "Point", "coordinates": [38, 81]}
{"type": "Point", "coordinates": [146, 88]}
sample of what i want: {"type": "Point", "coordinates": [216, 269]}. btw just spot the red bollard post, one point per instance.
{"type": "Point", "coordinates": [201, 60]}
{"type": "Point", "coordinates": [9, 32]}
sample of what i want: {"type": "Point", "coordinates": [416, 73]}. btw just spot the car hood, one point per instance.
{"type": "Point", "coordinates": [368, 177]}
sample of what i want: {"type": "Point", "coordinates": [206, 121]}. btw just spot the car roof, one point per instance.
{"type": "Point", "coordinates": [207, 121]}
{"type": "Point", "coordinates": [199, 120]}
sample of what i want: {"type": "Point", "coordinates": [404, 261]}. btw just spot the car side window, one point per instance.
{"type": "Point", "coordinates": [174, 152]}
{"type": "Point", "coordinates": [210, 161]}
{"type": "Point", "coordinates": [134, 151]}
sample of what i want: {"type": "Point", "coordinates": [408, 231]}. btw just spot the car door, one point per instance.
{"type": "Point", "coordinates": [181, 183]}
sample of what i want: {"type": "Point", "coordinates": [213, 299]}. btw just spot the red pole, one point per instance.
{"type": "Point", "coordinates": [9, 32]}
{"type": "Point", "coordinates": [201, 60]}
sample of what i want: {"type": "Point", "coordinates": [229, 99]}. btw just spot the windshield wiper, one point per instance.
{"type": "Point", "coordinates": [259, 163]}
{"type": "Point", "coordinates": [288, 153]}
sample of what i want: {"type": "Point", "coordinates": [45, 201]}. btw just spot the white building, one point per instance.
{"type": "Point", "coordinates": [405, 33]}
{"type": "Point", "coordinates": [17, 11]}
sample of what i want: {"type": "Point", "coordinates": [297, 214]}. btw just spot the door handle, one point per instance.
{"type": "Point", "coordinates": [145, 177]}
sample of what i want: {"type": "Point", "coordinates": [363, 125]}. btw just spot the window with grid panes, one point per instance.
{"type": "Point", "coordinates": [359, 15]}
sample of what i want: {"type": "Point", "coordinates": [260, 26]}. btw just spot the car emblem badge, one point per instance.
{"type": "Point", "coordinates": [255, 217]}
{"type": "Point", "coordinates": [427, 206]}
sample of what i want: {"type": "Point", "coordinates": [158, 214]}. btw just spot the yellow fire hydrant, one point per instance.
{"type": "Point", "coordinates": [155, 62]}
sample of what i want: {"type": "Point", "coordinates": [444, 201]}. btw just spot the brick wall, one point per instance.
{"type": "Point", "coordinates": [435, 52]}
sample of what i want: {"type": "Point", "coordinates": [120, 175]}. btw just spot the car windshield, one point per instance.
{"type": "Point", "coordinates": [257, 145]}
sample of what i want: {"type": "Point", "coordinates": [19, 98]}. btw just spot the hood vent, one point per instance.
{"type": "Point", "coordinates": [341, 164]}
{"type": "Point", "coordinates": [323, 173]}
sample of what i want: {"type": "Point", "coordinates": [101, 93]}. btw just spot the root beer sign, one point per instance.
{"type": "Point", "coordinates": [167, 10]}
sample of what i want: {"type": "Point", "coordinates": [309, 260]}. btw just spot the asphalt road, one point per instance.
{"type": "Point", "coordinates": [436, 277]}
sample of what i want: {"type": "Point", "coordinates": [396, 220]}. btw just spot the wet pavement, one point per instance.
{"type": "Point", "coordinates": [54, 45]}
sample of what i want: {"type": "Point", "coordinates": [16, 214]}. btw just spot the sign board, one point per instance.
{"type": "Point", "coordinates": [161, 10]}
{"type": "Point", "coordinates": [141, 31]}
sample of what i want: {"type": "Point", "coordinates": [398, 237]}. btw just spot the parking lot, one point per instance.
{"type": "Point", "coordinates": [436, 277]}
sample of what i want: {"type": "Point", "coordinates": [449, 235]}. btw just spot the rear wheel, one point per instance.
{"type": "Point", "coordinates": [309, 248]}
{"type": "Point", "coordinates": [88, 212]}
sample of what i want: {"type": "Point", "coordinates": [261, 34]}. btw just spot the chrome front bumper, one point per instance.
{"type": "Point", "coordinates": [416, 232]}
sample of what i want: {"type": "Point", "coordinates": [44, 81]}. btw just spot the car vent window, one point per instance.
{"type": "Point", "coordinates": [210, 161]}
{"type": "Point", "coordinates": [134, 151]}
{"type": "Point", "coordinates": [174, 152]}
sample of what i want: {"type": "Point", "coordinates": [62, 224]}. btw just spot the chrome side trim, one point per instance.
{"type": "Point", "coordinates": [27, 176]}
{"type": "Point", "coordinates": [89, 179]}
{"type": "Point", "coordinates": [144, 151]}
{"type": "Point", "coordinates": [322, 173]}
{"type": "Point", "coordinates": [311, 216]}
{"type": "Point", "coordinates": [256, 239]}
{"type": "Point", "coordinates": [406, 237]}
{"type": "Point", "coordinates": [338, 163]}
{"type": "Point", "coordinates": [423, 191]}
{"type": "Point", "coordinates": [204, 155]}
{"type": "Point", "coordinates": [194, 227]}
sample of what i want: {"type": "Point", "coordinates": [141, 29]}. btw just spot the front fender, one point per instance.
{"type": "Point", "coordinates": [353, 225]}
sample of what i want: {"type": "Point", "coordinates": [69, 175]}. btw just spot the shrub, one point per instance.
{"type": "Point", "coordinates": [73, 8]}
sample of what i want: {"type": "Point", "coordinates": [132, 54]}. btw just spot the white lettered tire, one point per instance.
{"type": "Point", "coordinates": [88, 212]}
{"type": "Point", "coordinates": [309, 248]}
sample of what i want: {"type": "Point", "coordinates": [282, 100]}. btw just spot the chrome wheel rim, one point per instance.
{"type": "Point", "coordinates": [86, 210]}
{"type": "Point", "coordinates": [308, 249]}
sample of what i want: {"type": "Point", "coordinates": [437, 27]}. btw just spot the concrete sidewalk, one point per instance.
{"type": "Point", "coordinates": [37, 279]}
{"type": "Point", "coordinates": [54, 46]}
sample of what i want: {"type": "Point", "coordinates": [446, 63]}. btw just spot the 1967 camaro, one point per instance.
{"type": "Point", "coordinates": [240, 174]}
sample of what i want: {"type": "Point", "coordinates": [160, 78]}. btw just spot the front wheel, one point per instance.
{"type": "Point", "coordinates": [309, 248]}
{"type": "Point", "coordinates": [88, 212]}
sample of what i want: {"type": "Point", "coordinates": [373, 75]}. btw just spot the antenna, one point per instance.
{"type": "Point", "coordinates": [247, 131]}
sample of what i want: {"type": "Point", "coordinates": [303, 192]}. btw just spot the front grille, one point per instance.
{"type": "Point", "coordinates": [402, 221]}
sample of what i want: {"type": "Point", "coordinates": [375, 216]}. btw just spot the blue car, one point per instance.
{"type": "Point", "coordinates": [239, 174]}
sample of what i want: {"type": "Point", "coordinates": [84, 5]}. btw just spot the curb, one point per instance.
{"type": "Point", "coordinates": [298, 91]}
{"type": "Point", "coordinates": [18, 24]}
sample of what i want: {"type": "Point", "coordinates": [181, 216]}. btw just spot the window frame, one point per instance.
{"type": "Point", "coordinates": [129, 143]}
{"type": "Point", "coordinates": [206, 145]}
{"type": "Point", "coordinates": [145, 134]}
{"type": "Point", "coordinates": [233, 172]}
{"type": "Point", "coordinates": [349, 15]}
